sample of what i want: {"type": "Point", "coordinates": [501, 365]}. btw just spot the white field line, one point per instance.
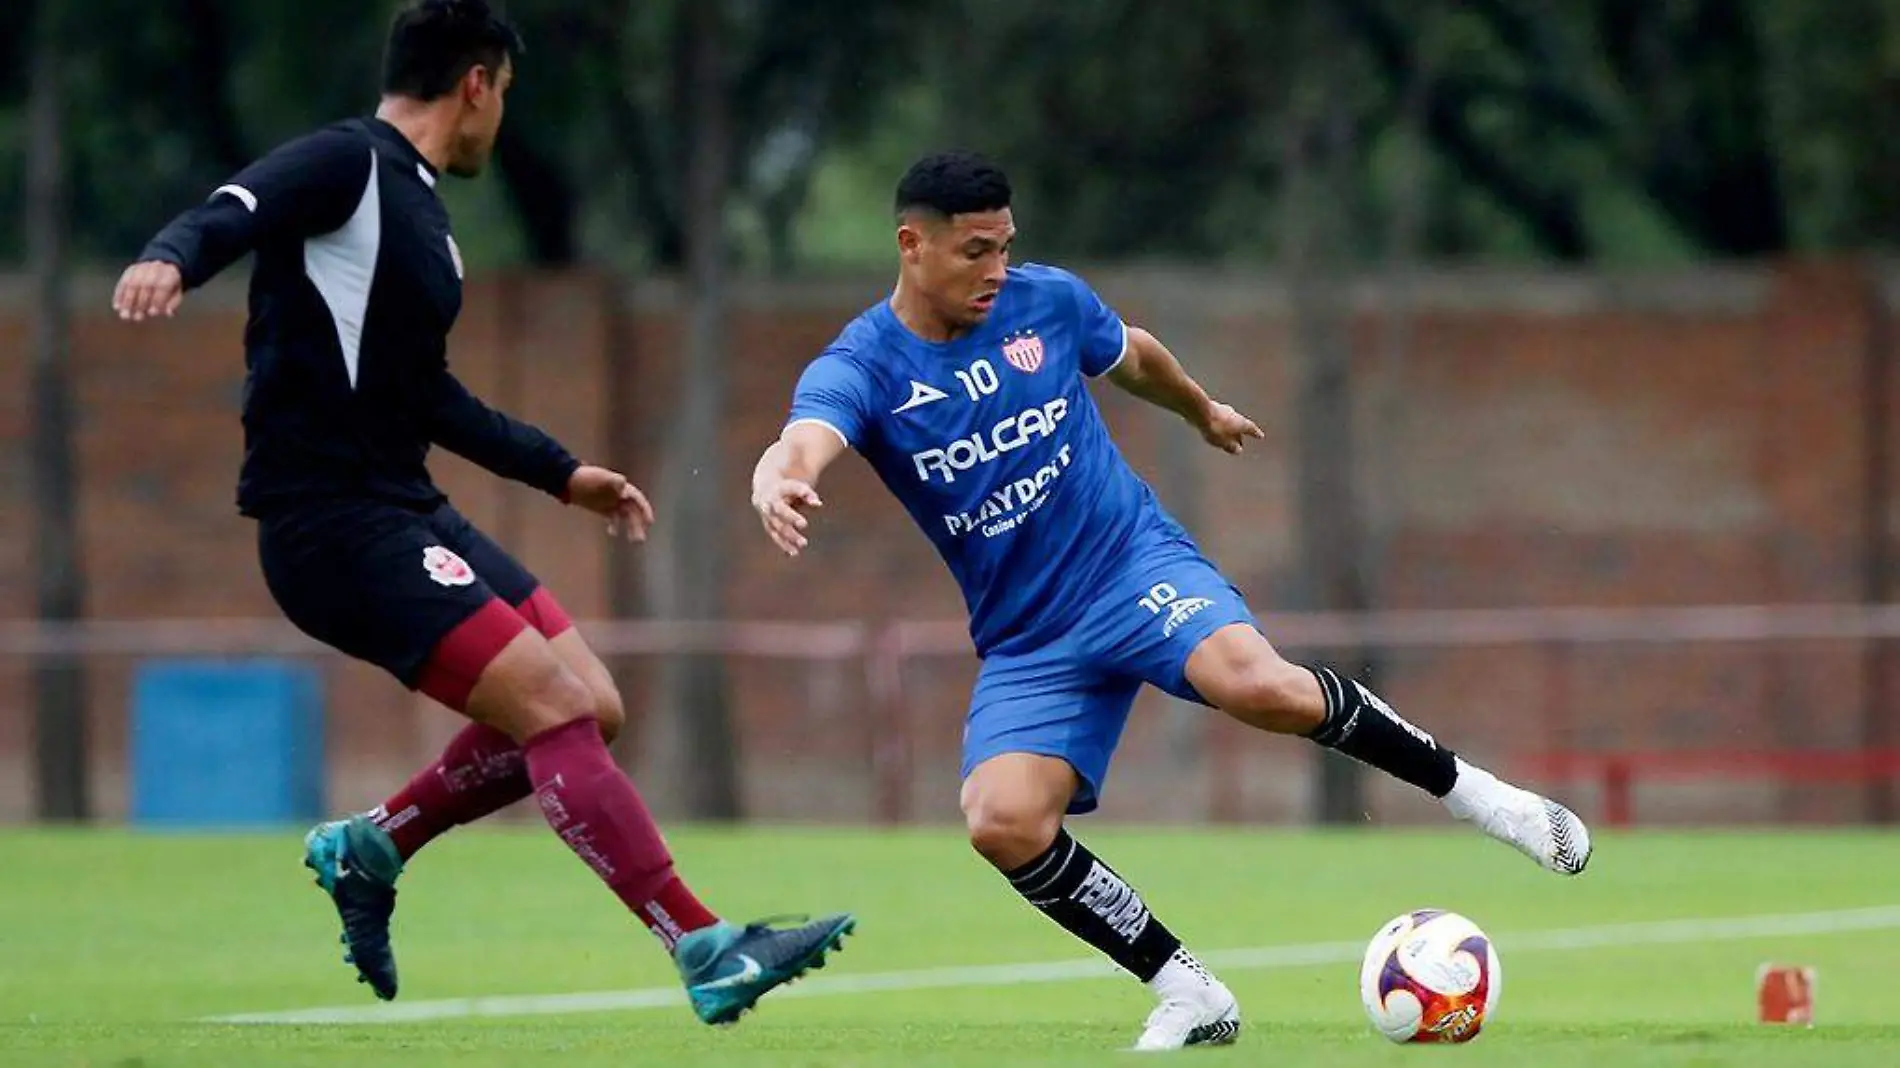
{"type": "Point", "coordinates": [1655, 933]}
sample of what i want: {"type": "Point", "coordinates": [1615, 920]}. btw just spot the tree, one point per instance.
{"type": "Point", "coordinates": [1332, 537]}
{"type": "Point", "coordinates": [1555, 114]}
{"type": "Point", "coordinates": [688, 579]}
{"type": "Point", "coordinates": [601, 126]}
{"type": "Point", "coordinates": [1833, 85]}
{"type": "Point", "coordinates": [1130, 129]}
{"type": "Point", "coordinates": [58, 682]}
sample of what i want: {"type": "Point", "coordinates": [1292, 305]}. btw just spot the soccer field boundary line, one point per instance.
{"type": "Point", "coordinates": [1259, 958]}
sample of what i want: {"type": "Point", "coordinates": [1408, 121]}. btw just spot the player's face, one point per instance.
{"type": "Point", "coordinates": [959, 264]}
{"type": "Point", "coordinates": [484, 92]}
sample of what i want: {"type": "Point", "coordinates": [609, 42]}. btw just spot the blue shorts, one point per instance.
{"type": "Point", "coordinates": [1070, 699]}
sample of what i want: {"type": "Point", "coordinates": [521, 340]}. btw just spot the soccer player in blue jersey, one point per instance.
{"type": "Point", "coordinates": [967, 393]}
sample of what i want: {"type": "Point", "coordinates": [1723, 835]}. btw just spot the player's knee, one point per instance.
{"type": "Point", "coordinates": [609, 711]}
{"type": "Point", "coordinates": [545, 695]}
{"type": "Point", "coordinates": [1277, 696]}
{"type": "Point", "coordinates": [1009, 835]}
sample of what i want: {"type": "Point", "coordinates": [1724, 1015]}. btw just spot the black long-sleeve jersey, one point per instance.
{"type": "Point", "coordinates": [356, 285]}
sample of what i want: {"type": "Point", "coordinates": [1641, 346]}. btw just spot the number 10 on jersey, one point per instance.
{"type": "Point", "coordinates": [980, 380]}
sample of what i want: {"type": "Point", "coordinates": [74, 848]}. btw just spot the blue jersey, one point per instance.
{"type": "Point", "coordinates": [996, 449]}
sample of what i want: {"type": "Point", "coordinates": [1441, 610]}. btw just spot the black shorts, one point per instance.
{"type": "Point", "coordinates": [392, 585]}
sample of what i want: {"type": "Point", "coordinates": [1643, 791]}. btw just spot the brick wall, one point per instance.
{"type": "Point", "coordinates": [1526, 439]}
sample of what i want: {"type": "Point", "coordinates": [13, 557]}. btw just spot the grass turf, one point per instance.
{"type": "Point", "coordinates": [116, 944]}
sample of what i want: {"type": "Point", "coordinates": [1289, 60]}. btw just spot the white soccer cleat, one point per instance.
{"type": "Point", "coordinates": [1196, 1009]}
{"type": "Point", "coordinates": [1179, 1023]}
{"type": "Point", "coordinates": [1535, 826]}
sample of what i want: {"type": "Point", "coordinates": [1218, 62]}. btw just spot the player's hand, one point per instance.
{"type": "Point", "coordinates": [779, 507]}
{"type": "Point", "coordinates": [1228, 430]}
{"type": "Point", "coordinates": [608, 493]}
{"type": "Point", "coordinates": [152, 288]}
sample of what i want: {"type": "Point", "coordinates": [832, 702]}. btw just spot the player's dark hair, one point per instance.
{"type": "Point", "coordinates": [433, 43]}
{"type": "Point", "coordinates": [953, 183]}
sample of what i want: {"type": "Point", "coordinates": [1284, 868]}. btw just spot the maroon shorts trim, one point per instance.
{"type": "Point", "coordinates": [545, 613]}
{"type": "Point", "coordinates": [458, 660]}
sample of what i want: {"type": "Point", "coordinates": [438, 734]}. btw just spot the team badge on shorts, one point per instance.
{"type": "Point", "coordinates": [445, 568]}
{"type": "Point", "coordinates": [1024, 353]}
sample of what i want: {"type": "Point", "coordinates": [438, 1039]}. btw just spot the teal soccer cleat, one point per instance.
{"type": "Point", "coordinates": [357, 865]}
{"type": "Point", "coordinates": [728, 969]}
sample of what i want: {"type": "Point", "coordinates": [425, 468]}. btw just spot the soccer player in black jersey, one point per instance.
{"type": "Point", "coordinates": [357, 281]}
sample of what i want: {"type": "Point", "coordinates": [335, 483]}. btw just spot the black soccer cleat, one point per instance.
{"type": "Point", "coordinates": [357, 865]}
{"type": "Point", "coordinates": [727, 969]}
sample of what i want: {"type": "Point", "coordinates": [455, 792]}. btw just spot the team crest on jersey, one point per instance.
{"type": "Point", "coordinates": [455, 254]}
{"type": "Point", "coordinates": [1024, 353]}
{"type": "Point", "coordinates": [445, 568]}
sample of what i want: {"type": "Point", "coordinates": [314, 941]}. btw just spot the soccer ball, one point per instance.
{"type": "Point", "coordinates": [1430, 976]}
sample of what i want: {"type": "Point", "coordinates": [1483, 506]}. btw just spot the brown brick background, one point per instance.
{"type": "Point", "coordinates": [1529, 440]}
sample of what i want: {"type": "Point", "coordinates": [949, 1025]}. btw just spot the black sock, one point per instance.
{"type": "Point", "coordinates": [1094, 904]}
{"type": "Point", "coordinates": [1365, 728]}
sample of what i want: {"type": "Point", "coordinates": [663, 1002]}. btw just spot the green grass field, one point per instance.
{"type": "Point", "coordinates": [116, 946]}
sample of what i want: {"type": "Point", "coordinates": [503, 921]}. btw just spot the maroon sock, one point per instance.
{"type": "Point", "coordinates": [600, 816]}
{"type": "Point", "coordinates": [481, 771]}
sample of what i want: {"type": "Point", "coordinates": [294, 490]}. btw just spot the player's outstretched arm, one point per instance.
{"type": "Point", "coordinates": [458, 421]}
{"type": "Point", "coordinates": [305, 188]}
{"type": "Point", "coordinates": [1149, 371]}
{"type": "Point", "coordinates": [785, 481]}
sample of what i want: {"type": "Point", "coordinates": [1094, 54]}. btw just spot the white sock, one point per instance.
{"type": "Point", "coordinates": [1183, 978]}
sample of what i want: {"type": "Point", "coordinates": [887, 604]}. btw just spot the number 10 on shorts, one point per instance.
{"type": "Point", "coordinates": [1158, 597]}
